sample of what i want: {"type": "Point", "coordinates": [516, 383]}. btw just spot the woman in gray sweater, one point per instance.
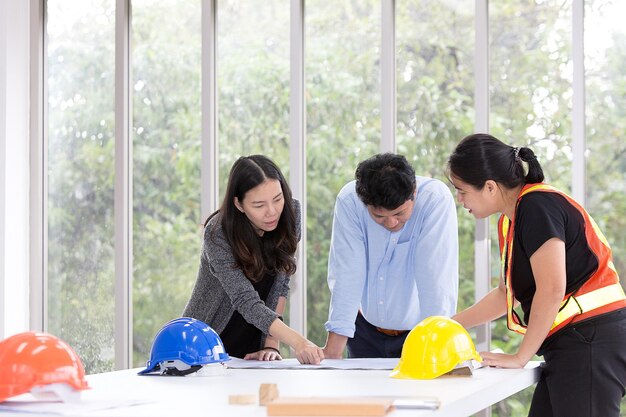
{"type": "Point", "coordinates": [246, 262]}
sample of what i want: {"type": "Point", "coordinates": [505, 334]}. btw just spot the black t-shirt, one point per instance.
{"type": "Point", "coordinates": [542, 216]}
{"type": "Point", "coordinates": [240, 337]}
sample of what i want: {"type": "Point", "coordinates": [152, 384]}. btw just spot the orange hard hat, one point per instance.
{"type": "Point", "coordinates": [30, 360]}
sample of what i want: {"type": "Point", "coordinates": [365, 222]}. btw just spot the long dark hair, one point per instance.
{"type": "Point", "coordinates": [274, 251]}
{"type": "Point", "coordinates": [481, 157]}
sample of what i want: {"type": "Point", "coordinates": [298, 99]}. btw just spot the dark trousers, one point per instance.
{"type": "Point", "coordinates": [370, 343]}
{"type": "Point", "coordinates": [585, 370]}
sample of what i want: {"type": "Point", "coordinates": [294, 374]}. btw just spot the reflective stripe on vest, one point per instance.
{"type": "Point", "coordinates": [574, 305]}
{"type": "Point", "coordinates": [600, 294]}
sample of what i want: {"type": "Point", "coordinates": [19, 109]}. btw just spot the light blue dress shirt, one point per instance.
{"type": "Point", "coordinates": [397, 279]}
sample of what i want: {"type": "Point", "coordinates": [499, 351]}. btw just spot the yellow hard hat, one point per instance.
{"type": "Point", "coordinates": [435, 346]}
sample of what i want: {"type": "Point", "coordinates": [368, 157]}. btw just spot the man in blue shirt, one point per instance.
{"type": "Point", "coordinates": [393, 258]}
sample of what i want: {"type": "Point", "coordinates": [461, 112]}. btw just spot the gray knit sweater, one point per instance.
{"type": "Point", "coordinates": [221, 288]}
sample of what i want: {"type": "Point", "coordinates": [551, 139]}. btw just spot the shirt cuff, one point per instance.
{"type": "Point", "coordinates": [343, 328]}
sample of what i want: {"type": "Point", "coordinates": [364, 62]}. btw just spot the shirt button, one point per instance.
{"type": "Point", "coordinates": [380, 302]}
{"type": "Point", "coordinates": [380, 278]}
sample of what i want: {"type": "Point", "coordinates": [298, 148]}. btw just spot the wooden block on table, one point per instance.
{"type": "Point", "coordinates": [267, 393]}
{"type": "Point", "coordinates": [329, 406]}
{"type": "Point", "coordinates": [242, 399]}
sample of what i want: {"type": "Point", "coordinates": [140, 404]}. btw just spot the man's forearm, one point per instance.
{"type": "Point", "coordinates": [335, 344]}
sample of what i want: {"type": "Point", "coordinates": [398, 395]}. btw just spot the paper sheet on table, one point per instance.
{"type": "Point", "coordinates": [25, 404]}
{"type": "Point", "coordinates": [381, 364]}
{"type": "Point", "coordinates": [385, 364]}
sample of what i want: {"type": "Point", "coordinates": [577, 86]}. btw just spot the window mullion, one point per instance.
{"type": "Point", "coordinates": [578, 103]}
{"type": "Point", "coordinates": [297, 157]}
{"type": "Point", "coordinates": [123, 188]}
{"type": "Point", "coordinates": [482, 270]}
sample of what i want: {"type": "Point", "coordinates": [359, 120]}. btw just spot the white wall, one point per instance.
{"type": "Point", "coordinates": [14, 173]}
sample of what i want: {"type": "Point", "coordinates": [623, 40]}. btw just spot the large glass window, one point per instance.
{"type": "Point", "coordinates": [605, 65]}
{"type": "Point", "coordinates": [435, 83]}
{"type": "Point", "coordinates": [253, 81]}
{"type": "Point", "coordinates": [530, 105]}
{"type": "Point", "coordinates": [343, 124]}
{"type": "Point", "coordinates": [166, 119]}
{"type": "Point", "coordinates": [253, 84]}
{"type": "Point", "coordinates": [531, 81]}
{"type": "Point", "coordinates": [81, 63]}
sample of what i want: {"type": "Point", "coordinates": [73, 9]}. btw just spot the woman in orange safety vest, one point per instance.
{"type": "Point", "coordinates": [557, 265]}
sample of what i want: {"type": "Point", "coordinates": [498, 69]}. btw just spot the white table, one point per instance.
{"type": "Point", "coordinates": [208, 396]}
{"type": "Point", "coordinates": [124, 393]}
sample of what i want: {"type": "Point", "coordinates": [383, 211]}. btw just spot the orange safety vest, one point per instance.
{"type": "Point", "coordinates": [601, 293]}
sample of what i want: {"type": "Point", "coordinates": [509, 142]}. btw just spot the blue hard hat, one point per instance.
{"type": "Point", "coordinates": [186, 341]}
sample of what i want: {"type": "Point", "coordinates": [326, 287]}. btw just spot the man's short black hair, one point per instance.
{"type": "Point", "coordinates": [385, 180]}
